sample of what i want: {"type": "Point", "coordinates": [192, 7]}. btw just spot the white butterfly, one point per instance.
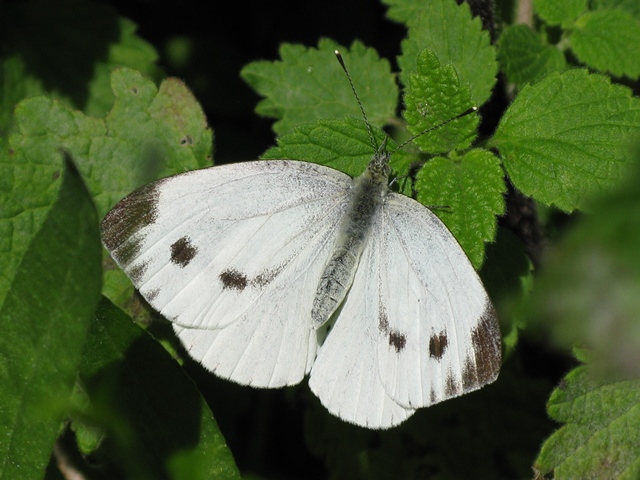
{"type": "Point", "coordinates": [253, 261]}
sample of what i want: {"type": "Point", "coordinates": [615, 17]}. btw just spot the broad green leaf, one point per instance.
{"type": "Point", "coordinates": [525, 58]}
{"type": "Point", "coordinates": [308, 84]}
{"type": "Point", "coordinates": [67, 51]}
{"type": "Point", "coordinates": [164, 428]}
{"type": "Point", "coordinates": [556, 13]}
{"type": "Point", "coordinates": [343, 145]}
{"type": "Point", "coordinates": [608, 40]}
{"type": "Point", "coordinates": [150, 132]}
{"type": "Point", "coordinates": [434, 96]}
{"type": "Point", "coordinates": [449, 31]}
{"type": "Point", "coordinates": [567, 137]}
{"type": "Point", "coordinates": [601, 435]}
{"type": "Point", "coordinates": [470, 190]}
{"type": "Point", "coordinates": [44, 319]}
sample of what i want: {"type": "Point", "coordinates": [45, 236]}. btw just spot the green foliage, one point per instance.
{"type": "Point", "coordinates": [46, 311]}
{"type": "Point", "coordinates": [77, 374]}
{"type": "Point", "coordinates": [603, 35]}
{"type": "Point", "coordinates": [595, 442]}
{"type": "Point", "coordinates": [564, 138]}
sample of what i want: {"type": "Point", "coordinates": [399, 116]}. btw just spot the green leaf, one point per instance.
{"type": "Point", "coordinates": [456, 39]}
{"type": "Point", "coordinates": [608, 40]}
{"type": "Point", "coordinates": [308, 84]}
{"type": "Point", "coordinates": [601, 438]}
{"type": "Point", "coordinates": [343, 145]}
{"type": "Point", "coordinates": [150, 132]}
{"type": "Point", "coordinates": [587, 293]}
{"type": "Point", "coordinates": [434, 96]}
{"type": "Point", "coordinates": [556, 13]}
{"type": "Point", "coordinates": [471, 190]}
{"type": "Point", "coordinates": [629, 6]}
{"type": "Point", "coordinates": [566, 137]}
{"type": "Point", "coordinates": [44, 320]}
{"type": "Point", "coordinates": [67, 51]}
{"type": "Point", "coordinates": [157, 423]}
{"type": "Point", "coordinates": [525, 58]}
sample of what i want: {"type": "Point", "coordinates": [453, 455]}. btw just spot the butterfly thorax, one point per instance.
{"type": "Point", "coordinates": [367, 195]}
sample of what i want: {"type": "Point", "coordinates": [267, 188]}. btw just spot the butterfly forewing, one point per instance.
{"type": "Point", "coordinates": [233, 256]}
{"type": "Point", "coordinates": [432, 312]}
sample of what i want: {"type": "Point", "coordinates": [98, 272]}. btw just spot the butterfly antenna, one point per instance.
{"type": "Point", "coordinates": [355, 93]}
{"type": "Point", "coordinates": [427, 130]}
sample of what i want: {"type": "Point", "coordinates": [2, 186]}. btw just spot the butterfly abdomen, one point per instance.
{"type": "Point", "coordinates": [366, 197]}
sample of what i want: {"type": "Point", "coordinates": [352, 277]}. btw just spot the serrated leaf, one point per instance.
{"type": "Point", "coordinates": [556, 13]}
{"type": "Point", "coordinates": [67, 51]}
{"type": "Point", "coordinates": [608, 40]}
{"type": "Point", "coordinates": [587, 292]}
{"type": "Point", "coordinates": [169, 428]}
{"type": "Point", "coordinates": [434, 96]}
{"type": "Point", "coordinates": [525, 58]}
{"type": "Point", "coordinates": [308, 84]}
{"type": "Point", "coordinates": [471, 190]}
{"type": "Point", "coordinates": [150, 132]}
{"type": "Point", "coordinates": [44, 320]}
{"type": "Point", "coordinates": [456, 38]}
{"type": "Point", "coordinates": [343, 145]}
{"type": "Point", "coordinates": [601, 438]}
{"type": "Point", "coordinates": [566, 137]}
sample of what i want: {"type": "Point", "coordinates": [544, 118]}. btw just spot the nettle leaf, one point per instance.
{"type": "Point", "coordinates": [608, 40]}
{"type": "Point", "coordinates": [170, 431]}
{"type": "Point", "coordinates": [601, 438]}
{"type": "Point", "coordinates": [341, 144]}
{"type": "Point", "coordinates": [434, 96]}
{"type": "Point", "coordinates": [457, 39]}
{"type": "Point", "coordinates": [72, 64]}
{"type": "Point", "coordinates": [47, 309]}
{"type": "Point", "coordinates": [566, 137]}
{"type": "Point", "coordinates": [525, 58]}
{"type": "Point", "coordinates": [469, 192]}
{"type": "Point", "coordinates": [308, 84]}
{"type": "Point", "coordinates": [556, 13]}
{"type": "Point", "coordinates": [150, 132]}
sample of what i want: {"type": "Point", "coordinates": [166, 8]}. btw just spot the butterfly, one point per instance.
{"type": "Point", "coordinates": [272, 270]}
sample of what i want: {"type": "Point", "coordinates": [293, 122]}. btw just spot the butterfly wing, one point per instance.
{"type": "Point", "coordinates": [345, 374]}
{"type": "Point", "coordinates": [232, 255]}
{"type": "Point", "coordinates": [422, 328]}
{"type": "Point", "coordinates": [441, 336]}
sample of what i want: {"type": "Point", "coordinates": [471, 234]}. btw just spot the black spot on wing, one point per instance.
{"type": "Point", "coordinates": [484, 365]}
{"type": "Point", "coordinates": [152, 295]}
{"type": "Point", "coordinates": [438, 345]}
{"type": "Point", "coordinates": [451, 387]}
{"type": "Point", "coordinates": [121, 227]}
{"type": "Point", "coordinates": [136, 272]}
{"type": "Point", "coordinates": [397, 339]}
{"type": "Point", "coordinates": [265, 278]}
{"type": "Point", "coordinates": [383, 321]}
{"type": "Point", "coordinates": [182, 252]}
{"type": "Point", "coordinates": [233, 280]}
